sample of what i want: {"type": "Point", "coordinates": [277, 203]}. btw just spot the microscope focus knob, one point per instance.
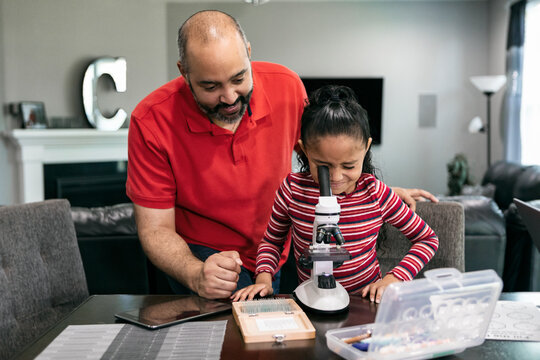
{"type": "Point", "coordinates": [327, 281]}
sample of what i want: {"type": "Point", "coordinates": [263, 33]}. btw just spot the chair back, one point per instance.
{"type": "Point", "coordinates": [41, 273]}
{"type": "Point", "coordinates": [447, 219]}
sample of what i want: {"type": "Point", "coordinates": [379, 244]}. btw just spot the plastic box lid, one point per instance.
{"type": "Point", "coordinates": [441, 314]}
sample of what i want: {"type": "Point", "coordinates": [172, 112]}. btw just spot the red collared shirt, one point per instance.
{"type": "Point", "coordinates": [222, 184]}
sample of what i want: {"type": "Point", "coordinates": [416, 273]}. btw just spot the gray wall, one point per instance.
{"type": "Point", "coordinates": [498, 27]}
{"type": "Point", "coordinates": [419, 47]}
{"type": "Point", "coordinates": [6, 181]}
{"type": "Point", "coordinates": [49, 43]}
{"type": "Point", "coordinates": [2, 89]}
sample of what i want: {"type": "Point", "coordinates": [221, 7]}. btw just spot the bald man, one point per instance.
{"type": "Point", "coordinates": [207, 152]}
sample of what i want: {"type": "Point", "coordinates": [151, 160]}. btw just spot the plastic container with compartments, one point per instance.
{"type": "Point", "coordinates": [441, 314]}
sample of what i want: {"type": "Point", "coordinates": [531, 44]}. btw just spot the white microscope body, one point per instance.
{"type": "Point", "coordinates": [322, 293]}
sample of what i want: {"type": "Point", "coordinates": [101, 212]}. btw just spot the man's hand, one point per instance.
{"type": "Point", "coordinates": [411, 196]}
{"type": "Point", "coordinates": [218, 275]}
{"type": "Point", "coordinates": [376, 290]}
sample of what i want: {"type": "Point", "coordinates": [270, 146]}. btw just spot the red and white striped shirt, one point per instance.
{"type": "Point", "coordinates": [363, 212]}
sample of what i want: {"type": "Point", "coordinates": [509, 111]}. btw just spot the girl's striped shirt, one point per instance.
{"type": "Point", "coordinates": [362, 214]}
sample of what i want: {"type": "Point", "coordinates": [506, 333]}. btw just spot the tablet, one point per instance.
{"type": "Point", "coordinates": [531, 217]}
{"type": "Point", "coordinates": [173, 312]}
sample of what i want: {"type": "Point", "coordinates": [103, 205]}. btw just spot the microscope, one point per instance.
{"type": "Point", "coordinates": [322, 293]}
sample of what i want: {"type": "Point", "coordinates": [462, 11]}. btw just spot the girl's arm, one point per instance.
{"type": "Point", "coordinates": [424, 241]}
{"type": "Point", "coordinates": [271, 246]}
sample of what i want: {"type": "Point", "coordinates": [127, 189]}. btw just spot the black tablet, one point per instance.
{"type": "Point", "coordinates": [173, 312]}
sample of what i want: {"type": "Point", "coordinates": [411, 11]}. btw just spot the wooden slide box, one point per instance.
{"type": "Point", "coordinates": [274, 320]}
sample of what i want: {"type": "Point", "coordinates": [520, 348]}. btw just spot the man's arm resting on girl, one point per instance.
{"type": "Point", "coordinates": [411, 196]}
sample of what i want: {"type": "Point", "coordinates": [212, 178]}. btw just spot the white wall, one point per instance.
{"type": "Point", "coordinates": [499, 14]}
{"type": "Point", "coordinates": [47, 45]}
{"type": "Point", "coordinates": [418, 47]}
{"type": "Point", "coordinates": [6, 178]}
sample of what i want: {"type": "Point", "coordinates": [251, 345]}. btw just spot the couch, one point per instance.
{"type": "Point", "coordinates": [112, 256]}
{"type": "Point", "coordinates": [114, 261]}
{"type": "Point", "coordinates": [485, 233]}
{"type": "Point", "coordinates": [495, 236]}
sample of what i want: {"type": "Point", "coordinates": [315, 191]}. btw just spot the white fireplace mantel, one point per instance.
{"type": "Point", "coordinates": [35, 147]}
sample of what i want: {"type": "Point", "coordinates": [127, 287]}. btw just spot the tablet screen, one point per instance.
{"type": "Point", "coordinates": [173, 312]}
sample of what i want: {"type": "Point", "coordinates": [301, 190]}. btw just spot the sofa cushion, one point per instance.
{"type": "Point", "coordinates": [504, 176]}
{"type": "Point", "coordinates": [482, 215]}
{"type": "Point", "coordinates": [485, 233]}
{"type": "Point", "coordinates": [527, 185]}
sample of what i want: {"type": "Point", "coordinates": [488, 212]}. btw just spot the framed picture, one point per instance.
{"type": "Point", "coordinates": [33, 114]}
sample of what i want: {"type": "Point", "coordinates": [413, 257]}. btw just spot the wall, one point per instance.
{"type": "Point", "coordinates": [499, 13]}
{"type": "Point", "coordinates": [419, 47]}
{"type": "Point", "coordinates": [48, 44]}
{"type": "Point", "coordinates": [6, 178]}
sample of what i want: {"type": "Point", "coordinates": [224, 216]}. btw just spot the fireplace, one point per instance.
{"type": "Point", "coordinates": [67, 163]}
{"type": "Point", "coordinates": [87, 184]}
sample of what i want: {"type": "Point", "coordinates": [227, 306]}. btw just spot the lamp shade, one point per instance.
{"type": "Point", "coordinates": [488, 84]}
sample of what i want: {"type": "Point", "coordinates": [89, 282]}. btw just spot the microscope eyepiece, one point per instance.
{"type": "Point", "coordinates": [324, 180]}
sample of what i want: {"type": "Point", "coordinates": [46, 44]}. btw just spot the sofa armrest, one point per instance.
{"type": "Point", "coordinates": [107, 220]}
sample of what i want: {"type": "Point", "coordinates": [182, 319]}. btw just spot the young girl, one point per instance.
{"type": "Point", "coordinates": [335, 133]}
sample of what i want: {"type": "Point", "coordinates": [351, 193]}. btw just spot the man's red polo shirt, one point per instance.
{"type": "Point", "coordinates": [221, 184]}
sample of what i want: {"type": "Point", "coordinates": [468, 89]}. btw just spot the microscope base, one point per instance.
{"type": "Point", "coordinates": [320, 300]}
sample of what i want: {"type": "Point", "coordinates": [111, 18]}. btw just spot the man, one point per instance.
{"type": "Point", "coordinates": [207, 152]}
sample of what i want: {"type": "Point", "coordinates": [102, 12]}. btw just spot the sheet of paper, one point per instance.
{"type": "Point", "coordinates": [514, 320]}
{"type": "Point", "coordinates": [193, 340]}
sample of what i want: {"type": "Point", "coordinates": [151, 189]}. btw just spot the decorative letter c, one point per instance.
{"type": "Point", "coordinates": [117, 69]}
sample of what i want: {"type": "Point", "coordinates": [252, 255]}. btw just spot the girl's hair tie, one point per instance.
{"type": "Point", "coordinates": [335, 98]}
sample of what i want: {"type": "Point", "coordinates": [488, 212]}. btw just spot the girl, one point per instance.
{"type": "Point", "coordinates": [335, 133]}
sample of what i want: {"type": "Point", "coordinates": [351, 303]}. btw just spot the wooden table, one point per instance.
{"type": "Point", "coordinates": [100, 309]}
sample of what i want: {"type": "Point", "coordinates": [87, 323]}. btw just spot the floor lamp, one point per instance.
{"type": "Point", "coordinates": [488, 85]}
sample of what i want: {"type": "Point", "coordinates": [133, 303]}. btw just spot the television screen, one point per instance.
{"type": "Point", "coordinates": [369, 92]}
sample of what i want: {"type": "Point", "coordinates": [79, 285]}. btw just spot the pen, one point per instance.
{"type": "Point", "coordinates": [358, 338]}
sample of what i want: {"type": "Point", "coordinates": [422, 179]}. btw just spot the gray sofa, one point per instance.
{"type": "Point", "coordinates": [110, 248]}
{"type": "Point", "coordinates": [495, 236]}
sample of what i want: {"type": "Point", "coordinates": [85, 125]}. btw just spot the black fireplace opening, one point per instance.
{"type": "Point", "coordinates": [87, 184]}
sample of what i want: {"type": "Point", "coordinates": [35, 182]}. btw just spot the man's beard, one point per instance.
{"type": "Point", "coordinates": [213, 113]}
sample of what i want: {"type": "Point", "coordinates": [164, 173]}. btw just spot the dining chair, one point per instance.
{"type": "Point", "coordinates": [41, 273]}
{"type": "Point", "coordinates": [447, 219]}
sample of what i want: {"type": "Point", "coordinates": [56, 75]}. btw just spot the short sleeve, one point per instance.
{"type": "Point", "coordinates": [150, 181]}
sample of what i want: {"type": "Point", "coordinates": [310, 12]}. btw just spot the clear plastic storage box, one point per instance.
{"type": "Point", "coordinates": [441, 314]}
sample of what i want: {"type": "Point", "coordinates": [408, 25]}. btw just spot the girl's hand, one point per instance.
{"type": "Point", "coordinates": [250, 291]}
{"type": "Point", "coordinates": [376, 290]}
{"type": "Point", "coordinates": [262, 287]}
